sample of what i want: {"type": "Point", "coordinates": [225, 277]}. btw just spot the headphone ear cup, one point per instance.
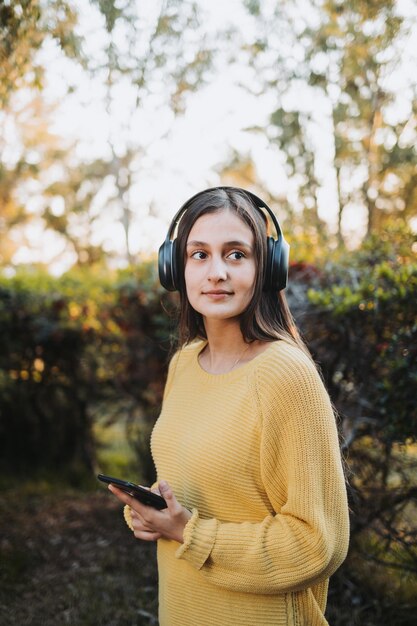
{"type": "Point", "coordinates": [174, 266]}
{"type": "Point", "coordinates": [276, 274]}
{"type": "Point", "coordinates": [269, 263]}
{"type": "Point", "coordinates": [167, 265]}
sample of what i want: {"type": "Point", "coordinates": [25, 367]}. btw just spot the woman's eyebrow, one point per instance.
{"type": "Point", "coordinates": [196, 243]}
{"type": "Point", "coordinates": [239, 244]}
{"type": "Point", "coordinates": [235, 242]}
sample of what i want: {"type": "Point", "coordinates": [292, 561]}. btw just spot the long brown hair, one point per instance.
{"type": "Point", "coordinates": [267, 317]}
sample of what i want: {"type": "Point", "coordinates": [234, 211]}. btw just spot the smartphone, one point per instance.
{"type": "Point", "coordinates": [140, 493]}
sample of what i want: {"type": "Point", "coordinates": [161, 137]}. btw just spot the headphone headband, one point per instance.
{"type": "Point", "coordinates": [277, 249]}
{"type": "Point", "coordinates": [255, 199]}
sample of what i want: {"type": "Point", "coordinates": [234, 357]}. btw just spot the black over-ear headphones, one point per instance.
{"type": "Point", "coordinates": [276, 273]}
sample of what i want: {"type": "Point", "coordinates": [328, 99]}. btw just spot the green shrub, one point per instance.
{"type": "Point", "coordinates": [364, 331]}
{"type": "Point", "coordinates": [361, 326]}
{"type": "Point", "coordinates": [77, 349]}
{"type": "Point", "coordinates": [45, 379]}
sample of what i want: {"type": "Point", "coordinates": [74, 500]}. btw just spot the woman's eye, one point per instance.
{"type": "Point", "coordinates": [199, 255]}
{"type": "Point", "coordinates": [236, 255]}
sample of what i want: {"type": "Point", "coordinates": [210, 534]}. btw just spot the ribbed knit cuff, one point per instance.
{"type": "Point", "coordinates": [199, 538]}
{"type": "Point", "coordinates": [127, 514]}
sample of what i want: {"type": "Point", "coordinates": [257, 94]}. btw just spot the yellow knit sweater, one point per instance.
{"type": "Point", "coordinates": [254, 454]}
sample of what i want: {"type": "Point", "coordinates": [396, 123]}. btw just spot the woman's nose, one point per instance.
{"type": "Point", "coordinates": [217, 269]}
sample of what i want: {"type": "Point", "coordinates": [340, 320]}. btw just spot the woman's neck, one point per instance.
{"type": "Point", "coordinates": [226, 348]}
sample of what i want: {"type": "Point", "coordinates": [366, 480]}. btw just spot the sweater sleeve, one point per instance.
{"type": "Point", "coordinates": [306, 539]}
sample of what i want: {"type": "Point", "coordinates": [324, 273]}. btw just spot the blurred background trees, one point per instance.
{"type": "Point", "coordinates": [93, 96]}
{"type": "Point", "coordinates": [27, 146]}
{"type": "Point", "coordinates": [332, 67]}
{"type": "Point", "coordinates": [25, 27]}
{"type": "Point", "coordinates": [137, 67]}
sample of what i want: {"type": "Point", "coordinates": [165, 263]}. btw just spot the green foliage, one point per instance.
{"type": "Point", "coordinates": [361, 326]}
{"type": "Point", "coordinates": [139, 365]}
{"type": "Point", "coordinates": [76, 349]}
{"type": "Point", "coordinates": [45, 382]}
{"type": "Point", "coordinates": [370, 313]}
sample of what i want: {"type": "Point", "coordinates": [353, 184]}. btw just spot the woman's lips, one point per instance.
{"type": "Point", "coordinates": [217, 294]}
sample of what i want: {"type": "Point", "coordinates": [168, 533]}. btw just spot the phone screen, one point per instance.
{"type": "Point", "coordinates": [136, 491]}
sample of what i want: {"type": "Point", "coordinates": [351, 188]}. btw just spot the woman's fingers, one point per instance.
{"type": "Point", "coordinates": [121, 495]}
{"type": "Point", "coordinates": [141, 530]}
{"type": "Point", "coordinates": [146, 535]}
{"type": "Point", "coordinates": [134, 504]}
{"type": "Point", "coordinates": [174, 507]}
{"type": "Point", "coordinates": [138, 513]}
{"type": "Point", "coordinates": [139, 523]}
{"type": "Point", "coordinates": [151, 523]}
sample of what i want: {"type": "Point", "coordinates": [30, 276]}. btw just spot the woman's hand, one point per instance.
{"type": "Point", "coordinates": [150, 524]}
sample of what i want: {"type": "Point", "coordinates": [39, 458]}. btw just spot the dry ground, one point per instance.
{"type": "Point", "coordinates": [70, 559]}
{"type": "Point", "coordinates": [67, 557]}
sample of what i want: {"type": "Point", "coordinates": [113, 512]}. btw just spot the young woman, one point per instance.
{"type": "Point", "coordinates": [246, 447]}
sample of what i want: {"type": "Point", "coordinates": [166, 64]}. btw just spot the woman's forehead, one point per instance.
{"type": "Point", "coordinates": [222, 224]}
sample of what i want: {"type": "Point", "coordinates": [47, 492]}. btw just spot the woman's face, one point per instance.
{"type": "Point", "coordinates": [220, 265]}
